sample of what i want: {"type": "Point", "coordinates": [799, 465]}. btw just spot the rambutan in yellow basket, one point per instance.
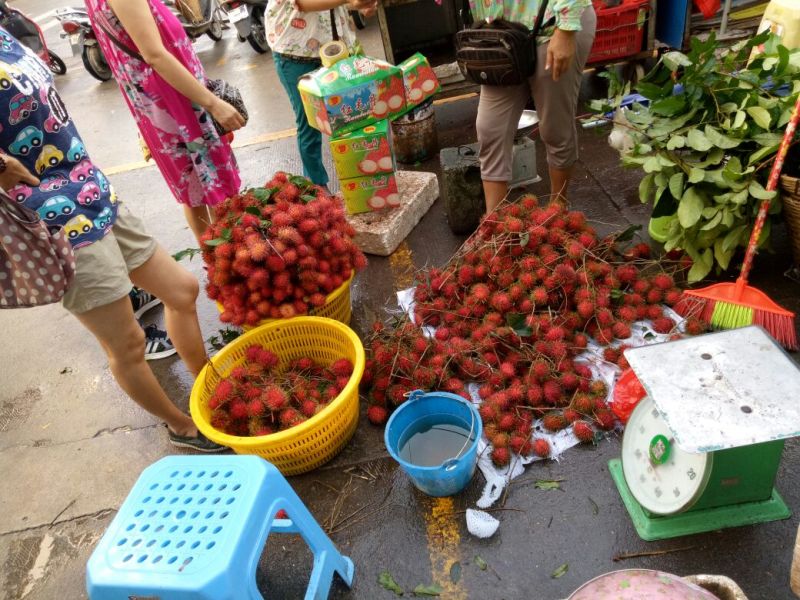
{"type": "Point", "coordinates": [314, 442]}
{"type": "Point", "coordinates": [337, 307]}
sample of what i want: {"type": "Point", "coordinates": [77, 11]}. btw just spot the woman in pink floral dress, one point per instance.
{"type": "Point", "coordinates": [162, 81]}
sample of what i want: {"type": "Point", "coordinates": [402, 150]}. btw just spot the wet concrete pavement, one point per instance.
{"type": "Point", "coordinates": [71, 443]}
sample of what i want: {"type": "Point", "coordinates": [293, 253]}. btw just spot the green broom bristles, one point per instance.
{"type": "Point", "coordinates": [731, 316]}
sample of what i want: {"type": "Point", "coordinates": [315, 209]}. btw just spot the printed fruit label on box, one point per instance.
{"type": "Point", "coordinates": [364, 152]}
{"type": "Point", "coordinates": [352, 94]}
{"type": "Point", "coordinates": [419, 80]}
{"type": "Point", "coordinates": [376, 192]}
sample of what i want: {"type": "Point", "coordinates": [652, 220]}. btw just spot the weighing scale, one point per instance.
{"type": "Point", "coordinates": [701, 451]}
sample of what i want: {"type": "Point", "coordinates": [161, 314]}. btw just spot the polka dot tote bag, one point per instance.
{"type": "Point", "coordinates": [36, 266]}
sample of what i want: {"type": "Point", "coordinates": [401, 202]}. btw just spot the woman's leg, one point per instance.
{"type": "Point", "coordinates": [199, 218]}
{"type": "Point", "coordinates": [122, 338]}
{"type": "Point", "coordinates": [557, 103]}
{"type": "Point", "coordinates": [178, 290]}
{"type": "Point", "coordinates": [499, 110]}
{"type": "Point", "coordinates": [309, 140]}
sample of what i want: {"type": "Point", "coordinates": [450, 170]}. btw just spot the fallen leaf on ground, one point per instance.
{"type": "Point", "coordinates": [560, 571]}
{"type": "Point", "coordinates": [388, 582]}
{"type": "Point", "coordinates": [455, 572]}
{"type": "Point", "coordinates": [428, 590]}
{"type": "Point", "coordinates": [548, 484]}
{"type": "Point", "coordinates": [480, 563]}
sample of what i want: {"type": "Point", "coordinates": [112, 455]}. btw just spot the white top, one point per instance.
{"type": "Point", "coordinates": [295, 33]}
{"type": "Point", "coordinates": [722, 390]}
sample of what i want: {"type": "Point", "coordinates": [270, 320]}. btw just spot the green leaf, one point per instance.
{"type": "Point", "coordinates": [696, 175]}
{"type": "Point", "coordinates": [253, 210]}
{"type": "Point", "coordinates": [698, 141]}
{"type": "Point", "coordinates": [646, 188]}
{"type": "Point", "coordinates": [768, 139]}
{"type": "Point", "coordinates": [739, 119]}
{"type": "Point", "coordinates": [675, 142]}
{"type": "Point", "coordinates": [560, 571]}
{"type": "Point", "coordinates": [387, 581]}
{"type": "Point", "coordinates": [720, 140]}
{"type": "Point", "coordinates": [455, 572]}
{"type": "Point", "coordinates": [715, 220]}
{"type": "Point", "coordinates": [701, 267]}
{"type": "Point", "coordinates": [524, 238]}
{"type": "Point", "coordinates": [673, 60]}
{"type": "Point", "coordinates": [651, 165]}
{"type": "Point", "coordinates": [216, 242]}
{"type": "Point", "coordinates": [300, 181]}
{"type": "Point", "coordinates": [760, 155]}
{"type": "Point", "coordinates": [727, 218]}
{"type": "Point", "coordinates": [665, 206]}
{"type": "Point", "coordinates": [428, 590]}
{"type": "Point", "coordinates": [651, 91]}
{"type": "Point", "coordinates": [760, 115]}
{"type": "Point", "coordinates": [548, 484]}
{"type": "Point", "coordinates": [731, 240]}
{"type": "Point", "coordinates": [757, 190]}
{"type": "Point", "coordinates": [676, 184]}
{"type": "Point", "coordinates": [480, 563]}
{"type": "Point", "coordinates": [307, 198]}
{"type": "Point", "coordinates": [263, 195]}
{"type": "Point", "coordinates": [517, 322]}
{"type": "Point", "coordinates": [722, 256]}
{"type": "Point", "coordinates": [690, 208]}
{"type": "Point", "coordinates": [627, 234]}
{"type": "Point", "coordinates": [669, 107]}
{"type": "Point", "coordinates": [190, 252]}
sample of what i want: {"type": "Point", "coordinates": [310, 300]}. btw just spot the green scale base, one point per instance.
{"type": "Point", "coordinates": [652, 527]}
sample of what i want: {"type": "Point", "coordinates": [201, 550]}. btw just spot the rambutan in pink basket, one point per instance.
{"type": "Point", "coordinates": [314, 442]}
{"type": "Point", "coordinates": [337, 307]}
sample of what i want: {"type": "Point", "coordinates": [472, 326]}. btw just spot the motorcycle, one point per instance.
{"type": "Point", "coordinates": [30, 34]}
{"type": "Point", "coordinates": [77, 27]}
{"type": "Point", "coordinates": [248, 18]}
{"type": "Point", "coordinates": [199, 17]}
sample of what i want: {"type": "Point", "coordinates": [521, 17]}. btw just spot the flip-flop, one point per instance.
{"type": "Point", "coordinates": [199, 442]}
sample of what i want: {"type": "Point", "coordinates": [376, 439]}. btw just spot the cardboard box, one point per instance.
{"type": "Point", "coordinates": [367, 151]}
{"type": "Point", "coordinates": [351, 94]}
{"type": "Point", "coordinates": [419, 80]}
{"type": "Point", "coordinates": [375, 192]}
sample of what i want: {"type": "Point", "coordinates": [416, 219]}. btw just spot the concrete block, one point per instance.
{"type": "Point", "coordinates": [381, 232]}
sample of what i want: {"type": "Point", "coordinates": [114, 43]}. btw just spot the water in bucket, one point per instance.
{"type": "Point", "coordinates": [429, 443]}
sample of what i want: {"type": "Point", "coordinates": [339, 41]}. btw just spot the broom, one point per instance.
{"type": "Point", "coordinates": [732, 305]}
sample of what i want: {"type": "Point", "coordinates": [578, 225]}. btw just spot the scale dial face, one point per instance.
{"type": "Point", "coordinates": [663, 478]}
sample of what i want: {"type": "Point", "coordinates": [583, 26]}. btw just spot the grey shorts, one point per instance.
{"type": "Point", "coordinates": [102, 268]}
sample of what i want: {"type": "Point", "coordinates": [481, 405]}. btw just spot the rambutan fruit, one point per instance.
{"type": "Point", "coordinates": [275, 398]}
{"type": "Point", "coordinates": [534, 395]}
{"type": "Point", "coordinates": [654, 296]}
{"type": "Point", "coordinates": [239, 373]}
{"type": "Point", "coordinates": [571, 415]}
{"type": "Point", "coordinates": [695, 326]}
{"type": "Point", "coordinates": [605, 317]}
{"type": "Point", "coordinates": [488, 412]}
{"type": "Point", "coordinates": [641, 286]}
{"type": "Point", "coordinates": [663, 325]}
{"type": "Point", "coordinates": [598, 388]}
{"type": "Point", "coordinates": [662, 281]}
{"type": "Point", "coordinates": [540, 296]}
{"type": "Point", "coordinates": [580, 340]}
{"type": "Point", "coordinates": [377, 415]}
{"type": "Point", "coordinates": [256, 407]}
{"type": "Point", "coordinates": [626, 273]}
{"type": "Point", "coordinates": [611, 354]}
{"type": "Point", "coordinates": [517, 443]}
{"type": "Point", "coordinates": [541, 448]}
{"type": "Point", "coordinates": [308, 408]}
{"type": "Point", "coordinates": [508, 369]}
{"type": "Point", "coordinates": [583, 431]}
{"type": "Point", "coordinates": [654, 312]}
{"type": "Point", "coordinates": [501, 456]}
{"type": "Point", "coordinates": [586, 309]}
{"type": "Point", "coordinates": [552, 392]}
{"type": "Point", "coordinates": [238, 409]}
{"type": "Point", "coordinates": [672, 297]}
{"type": "Point", "coordinates": [569, 381]}
{"type": "Point", "coordinates": [554, 421]}
{"type": "Point", "coordinates": [507, 422]}
{"type": "Point", "coordinates": [626, 314]}
{"type": "Point", "coordinates": [501, 302]}
{"type": "Point", "coordinates": [621, 330]}
{"type": "Point", "coordinates": [605, 419]}
{"type": "Point", "coordinates": [583, 403]}
{"type": "Point", "coordinates": [480, 292]}
{"type": "Point", "coordinates": [224, 390]}
{"type": "Point", "coordinates": [555, 334]}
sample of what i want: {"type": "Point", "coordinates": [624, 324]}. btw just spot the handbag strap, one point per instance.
{"type": "Point", "coordinates": [334, 31]}
{"type": "Point", "coordinates": [539, 18]}
{"type": "Point", "coordinates": [102, 23]}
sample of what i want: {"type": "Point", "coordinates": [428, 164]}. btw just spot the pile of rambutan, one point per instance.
{"type": "Point", "coordinates": [257, 399]}
{"type": "Point", "coordinates": [511, 311]}
{"type": "Point", "coordinates": [278, 251]}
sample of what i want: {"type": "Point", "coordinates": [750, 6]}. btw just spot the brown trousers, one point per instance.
{"type": "Point", "coordinates": [500, 108]}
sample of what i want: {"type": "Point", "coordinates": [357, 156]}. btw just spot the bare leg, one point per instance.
{"type": "Point", "coordinates": [494, 192]}
{"type": "Point", "coordinates": [559, 182]}
{"type": "Point", "coordinates": [178, 290]}
{"type": "Point", "coordinates": [122, 338]}
{"type": "Point", "coordinates": [199, 218]}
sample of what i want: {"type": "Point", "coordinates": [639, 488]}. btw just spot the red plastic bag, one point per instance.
{"type": "Point", "coordinates": [628, 391]}
{"type": "Point", "coordinates": [708, 7]}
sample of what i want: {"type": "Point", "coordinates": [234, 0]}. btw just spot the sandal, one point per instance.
{"type": "Point", "coordinates": [199, 442]}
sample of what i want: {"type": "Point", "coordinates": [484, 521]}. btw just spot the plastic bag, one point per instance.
{"type": "Point", "coordinates": [628, 391]}
{"type": "Point", "coordinates": [708, 7]}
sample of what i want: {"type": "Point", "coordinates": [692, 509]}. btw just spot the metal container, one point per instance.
{"type": "Point", "coordinates": [414, 135]}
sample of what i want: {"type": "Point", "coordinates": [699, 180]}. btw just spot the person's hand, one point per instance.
{"type": "Point", "coordinates": [226, 115]}
{"type": "Point", "coordinates": [369, 12]}
{"type": "Point", "coordinates": [362, 5]}
{"type": "Point", "coordinates": [15, 174]}
{"type": "Point", "coordinates": [560, 53]}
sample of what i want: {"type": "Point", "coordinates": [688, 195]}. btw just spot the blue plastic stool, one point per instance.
{"type": "Point", "coordinates": [194, 527]}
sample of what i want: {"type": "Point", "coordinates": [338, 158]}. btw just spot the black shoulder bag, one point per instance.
{"type": "Point", "coordinates": [498, 52]}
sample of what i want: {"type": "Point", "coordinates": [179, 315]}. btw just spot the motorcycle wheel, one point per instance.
{"type": "Point", "coordinates": [215, 31]}
{"type": "Point", "coordinates": [258, 33]}
{"type": "Point", "coordinates": [95, 63]}
{"type": "Point", "coordinates": [55, 64]}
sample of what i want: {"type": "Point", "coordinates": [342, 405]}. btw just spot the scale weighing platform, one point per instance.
{"type": "Point", "coordinates": [702, 449]}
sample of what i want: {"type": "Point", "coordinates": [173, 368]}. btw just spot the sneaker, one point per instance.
{"type": "Point", "coordinates": [200, 442]}
{"type": "Point", "coordinates": [142, 301]}
{"type": "Point", "coordinates": [157, 344]}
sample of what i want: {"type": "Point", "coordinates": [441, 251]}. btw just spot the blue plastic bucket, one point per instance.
{"type": "Point", "coordinates": [425, 410]}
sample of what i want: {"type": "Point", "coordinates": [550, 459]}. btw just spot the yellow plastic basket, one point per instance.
{"type": "Point", "coordinates": [314, 442]}
{"type": "Point", "coordinates": [337, 306]}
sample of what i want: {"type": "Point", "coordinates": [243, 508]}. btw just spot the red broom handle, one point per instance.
{"type": "Point", "coordinates": [772, 184]}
